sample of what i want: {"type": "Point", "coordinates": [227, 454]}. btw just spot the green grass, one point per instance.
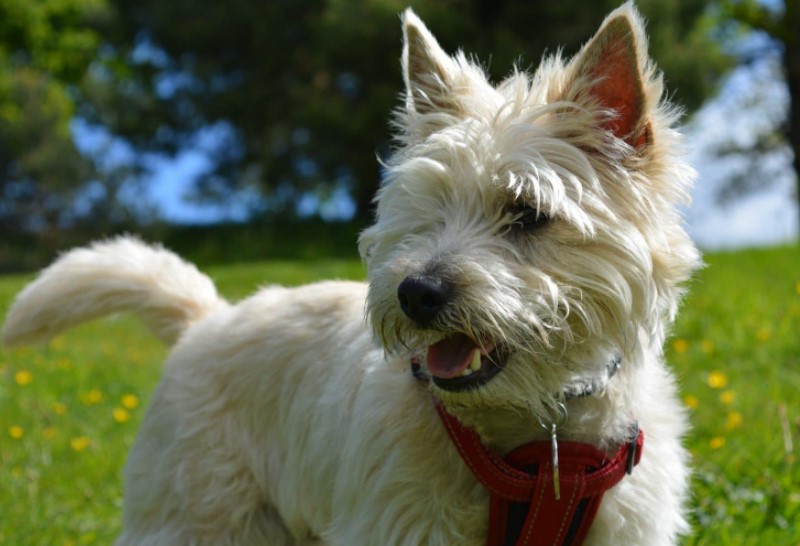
{"type": "Point", "coordinates": [736, 349]}
{"type": "Point", "coordinates": [67, 417]}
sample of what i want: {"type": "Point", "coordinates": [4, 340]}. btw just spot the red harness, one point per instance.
{"type": "Point", "coordinates": [523, 509]}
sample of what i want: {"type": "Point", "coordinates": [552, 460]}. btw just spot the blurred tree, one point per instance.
{"type": "Point", "coordinates": [45, 50]}
{"type": "Point", "coordinates": [300, 90]}
{"type": "Point", "coordinates": [780, 21]}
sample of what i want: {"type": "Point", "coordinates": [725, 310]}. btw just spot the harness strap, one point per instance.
{"type": "Point", "coordinates": [523, 510]}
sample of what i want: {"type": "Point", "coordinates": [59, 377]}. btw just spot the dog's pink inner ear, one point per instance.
{"type": "Point", "coordinates": [610, 62]}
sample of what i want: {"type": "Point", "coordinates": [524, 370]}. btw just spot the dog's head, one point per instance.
{"type": "Point", "coordinates": [527, 233]}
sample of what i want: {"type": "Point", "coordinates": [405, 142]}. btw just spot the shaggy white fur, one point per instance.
{"type": "Point", "coordinates": [526, 236]}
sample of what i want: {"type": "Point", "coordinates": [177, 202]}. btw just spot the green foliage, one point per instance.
{"type": "Point", "coordinates": [299, 240]}
{"type": "Point", "coordinates": [301, 91]}
{"type": "Point", "coordinates": [778, 23]}
{"type": "Point", "coordinates": [51, 36]}
{"type": "Point", "coordinates": [211, 244]}
{"type": "Point", "coordinates": [45, 49]}
{"type": "Point", "coordinates": [306, 87]}
{"type": "Point", "coordinates": [67, 418]}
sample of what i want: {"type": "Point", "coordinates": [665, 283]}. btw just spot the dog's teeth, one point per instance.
{"type": "Point", "coordinates": [475, 365]}
{"type": "Point", "coordinates": [466, 372]}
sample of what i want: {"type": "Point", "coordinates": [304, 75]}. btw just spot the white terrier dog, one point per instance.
{"type": "Point", "coordinates": [526, 262]}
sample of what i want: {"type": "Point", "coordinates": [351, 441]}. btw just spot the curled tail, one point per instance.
{"type": "Point", "coordinates": [121, 274]}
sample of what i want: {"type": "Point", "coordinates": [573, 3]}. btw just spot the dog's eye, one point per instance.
{"type": "Point", "coordinates": [528, 218]}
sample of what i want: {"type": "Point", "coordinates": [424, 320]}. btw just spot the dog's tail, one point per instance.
{"type": "Point", "coordinates": [121, 274]}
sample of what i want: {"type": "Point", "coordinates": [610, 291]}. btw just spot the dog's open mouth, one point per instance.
{"type": "Point", "coordinates": [457, 363]}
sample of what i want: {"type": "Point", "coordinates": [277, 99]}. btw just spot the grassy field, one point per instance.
{"type": "Point", "coordinates": [69, 411]}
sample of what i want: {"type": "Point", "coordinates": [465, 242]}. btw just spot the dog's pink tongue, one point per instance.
{"type": "Point", "coordinates": [451, 356]}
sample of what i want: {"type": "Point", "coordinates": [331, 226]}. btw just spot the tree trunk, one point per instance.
{"type": "Point", "coordinates": [791, 59]}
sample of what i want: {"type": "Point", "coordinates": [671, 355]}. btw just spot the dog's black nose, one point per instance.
{"type": "Point", "coordinates": [422, 297]}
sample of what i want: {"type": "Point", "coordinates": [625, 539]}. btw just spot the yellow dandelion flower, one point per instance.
{"type": "Point", "coordinates": [121, 415]}
{"type": "Point", "coordinates": [717, 442]}
{"type": "Point", "coordinates": [92, 397]}
{"type": "Point", "coordinates": [717, 380]}
{"type": "Point", "coordinates": [691, 401]}
{"type": "Point", "coordinates": [16, 432]}
{"type": "Point", "coordinates": [49, 433]}
{"type": "Point", "coordinates": [23, 377]}
{"type": "Point", "coordinates": [797, 287]}
{"type": "Point", "coordinates": [16, 472]}
{"type": "Point", "coordinates": [763, 334]}
{"type": "Point", "coordinates": [59, 408]}
{"type": "Point", "coordinates": [680, 345]}
{"type": "Point", "coordinates": [58, 343]}
{"type": "Point", "coordinates": [707, 346]}
{"type": "Point", "coordinates": [130, 401]}
{"type": "Point", "coordinates": [727, 397]}
{"type": "Point", "coordinates": [733, 420]}
{"type": "Point", "coordinates": [80, 443]}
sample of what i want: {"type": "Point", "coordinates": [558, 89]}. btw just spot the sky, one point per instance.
{"type": "Point", "coordinates": [751, 99]}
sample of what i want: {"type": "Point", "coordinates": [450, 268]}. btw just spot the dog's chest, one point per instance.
{"type": "Point", "coordinates": [401, 481]}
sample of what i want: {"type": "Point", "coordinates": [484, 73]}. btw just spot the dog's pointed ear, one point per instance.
{"type": "Point", "coordinates": [428, 71]}
{"type": "Point", "coordinates": [609, 71]}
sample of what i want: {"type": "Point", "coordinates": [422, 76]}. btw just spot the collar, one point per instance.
{"type": "Point", "coordinates": [524, 510]}
{"type": "Point", "coordinates": [544, 493]}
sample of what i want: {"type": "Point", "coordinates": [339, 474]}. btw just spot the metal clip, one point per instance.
{"type": "Point", "coordinates": [632, 450]}
{"type": "Point", "coordinates": [552, 427]}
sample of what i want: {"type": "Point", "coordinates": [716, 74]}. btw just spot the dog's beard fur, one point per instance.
{"type": "Point", "coordinates": [600, 276]}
